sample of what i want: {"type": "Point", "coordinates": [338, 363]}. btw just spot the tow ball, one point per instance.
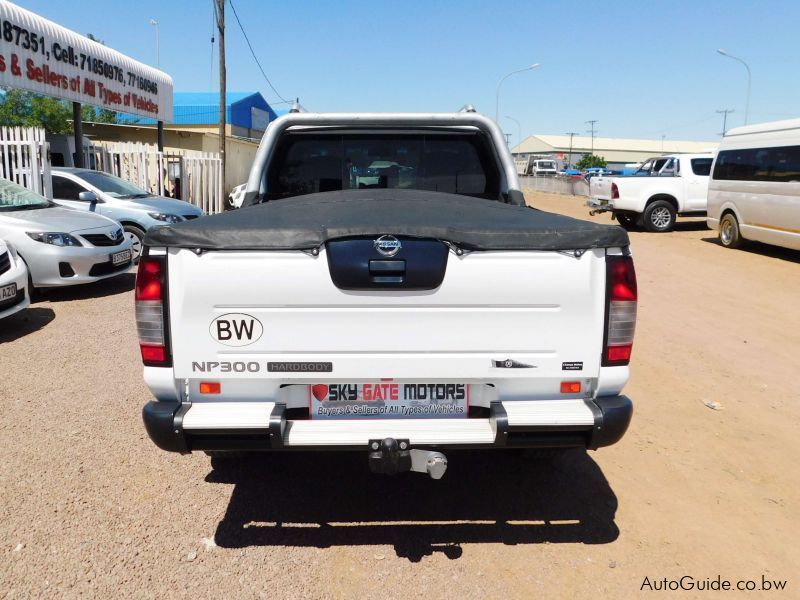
{"type": "Point", "coordinates": [390, 456]}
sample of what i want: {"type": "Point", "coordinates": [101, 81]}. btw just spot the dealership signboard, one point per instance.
{"type": "Point", "coordinates": [43, 57]}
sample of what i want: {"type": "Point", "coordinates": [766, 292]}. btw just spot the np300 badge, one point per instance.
{"type": "Point", "coordinates": [388, 245]}
{"type": "Point", "coordinates": [236, 329]}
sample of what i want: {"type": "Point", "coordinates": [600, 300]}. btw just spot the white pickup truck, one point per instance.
{"type": "Point", "coordinates": [402, 314]}
{"type": "Point", "coordinates": [662, 188]}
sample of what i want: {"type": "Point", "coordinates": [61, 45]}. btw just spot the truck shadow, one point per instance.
{"type": "Point", "coordinates": [324, 500]}
{"type": "Point", "coordinates": [680, 226]}
{"type": "Point", "coordinates": [98, 289]}
{"type": "Point", "coordinates": [763, 249]}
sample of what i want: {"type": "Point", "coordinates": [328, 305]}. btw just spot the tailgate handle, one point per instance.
{"type": "Point", "coordinates": [387, 266]}
{"type": "Point", "coordinates": [387, 271]}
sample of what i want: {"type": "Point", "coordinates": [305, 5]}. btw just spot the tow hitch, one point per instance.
{"type": "Point", "coordinates": [596, 210]}
{"type": "Point", "coordinates": [390, 456]}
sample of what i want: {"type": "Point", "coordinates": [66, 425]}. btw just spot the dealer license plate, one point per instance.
{"type": "Point", "coordinates": [119, 258]}
{"type": "Point", "coordinates": [8, 291]}
{"type": "Point", "coordinates": [388, 400]}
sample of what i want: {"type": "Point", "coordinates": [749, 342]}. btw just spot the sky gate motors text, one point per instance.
{"type": "Point", "coordinates": [371, 392]}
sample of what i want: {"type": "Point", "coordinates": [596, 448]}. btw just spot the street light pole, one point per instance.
{"type": "Point", "coordinates": [154, 23]}
{"type": "Point", "coordinates": [519, 129]}
{"type": "Point", "coordinates": [499, 83]}
{"type": "Point", "coordinates": [724, 52]}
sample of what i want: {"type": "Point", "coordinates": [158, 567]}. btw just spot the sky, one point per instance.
{"type": "Point", "coordinates": [641, 69]}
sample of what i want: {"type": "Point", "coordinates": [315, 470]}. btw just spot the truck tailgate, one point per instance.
{"type": "Point", "coordinates": [600, 187]}
{"type": "Point", "coordinates": [542, 310]}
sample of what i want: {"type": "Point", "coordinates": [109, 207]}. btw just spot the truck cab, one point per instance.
{"type": "Point", "coordinates": [544, 167]}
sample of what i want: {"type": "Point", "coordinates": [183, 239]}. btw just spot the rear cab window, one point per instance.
{"type": "Point", "coordinates": [701, 166]}
{"type": "Point", "coordinates": [310, 162]}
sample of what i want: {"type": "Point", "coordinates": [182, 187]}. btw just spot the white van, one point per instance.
{"type": "Point", "coordinates": [754, 191]}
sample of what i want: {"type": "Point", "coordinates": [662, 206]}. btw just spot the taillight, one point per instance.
{"type": "Point", "coordinates": [621, 297]}
{"type": "Point", "coordinates": [150, 296]}
{"type": "Point", "coordinates": [614, 191]}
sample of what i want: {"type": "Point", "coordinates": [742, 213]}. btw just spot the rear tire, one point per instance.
{"type": "Point", "coordinates": [659, 217]}
{"type": "Point", "coordinates": [729, 234]}
{"type": "Point", "coordinates": [625, 221]}
{"type": "Point", "coordinates": [136, 237]}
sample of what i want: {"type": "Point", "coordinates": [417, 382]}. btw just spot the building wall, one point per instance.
{"type": "Point", "coordinates": [239, 157]}
{"type": "Point", "coordinates": [239, 153]}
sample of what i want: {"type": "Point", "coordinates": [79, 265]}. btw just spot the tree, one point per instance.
{"type": "Point", "coordinates": [90, 114]}
{"type": "Point", "coordinates": [26, 109]}
{"type": "Point", "coordinates": [590, 160]}
{"type": "Point", "coordinates": [19, 108]}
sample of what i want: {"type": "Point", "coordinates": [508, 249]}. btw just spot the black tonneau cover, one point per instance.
{"type": "Point", "coordinates": [306, 222]}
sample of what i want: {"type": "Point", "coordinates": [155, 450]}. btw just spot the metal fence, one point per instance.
{"type": "Point", "coordinates": [186, 174]}
{"type": "Point", "coordinates": [25, 158]}
{"type": "Point", "coordinates": [556, 185]}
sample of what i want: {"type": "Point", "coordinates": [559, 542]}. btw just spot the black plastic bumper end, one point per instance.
{"type": "Point", "coordinates": [611, 421]}
{"type": "Point", "coordinates": [160, 423]}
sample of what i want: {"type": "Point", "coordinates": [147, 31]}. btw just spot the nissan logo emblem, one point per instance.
{"type": "Point", "coordinates": [388, 245]}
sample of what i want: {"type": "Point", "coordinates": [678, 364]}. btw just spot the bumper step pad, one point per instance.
{"type": "Point", "coordinates": [263, 426]}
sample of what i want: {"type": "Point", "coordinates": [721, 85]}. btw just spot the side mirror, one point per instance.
{"type": "Point", "coordinates": [88, 197]}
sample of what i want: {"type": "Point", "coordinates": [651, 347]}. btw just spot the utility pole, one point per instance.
{"type": "Point", "coordinates": [592, 131]}
{"type": "Point", "coordinates": [220, 10]}
{"type": "Point", "coordinates": [508, 136]}
{"type": "Point", "coordinates": [724, 112]}
{"type": "Point", "coordinates": [569, 159]}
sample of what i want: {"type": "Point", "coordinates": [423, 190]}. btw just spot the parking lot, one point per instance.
{"type": "Point", "coordinates": [703, 484]}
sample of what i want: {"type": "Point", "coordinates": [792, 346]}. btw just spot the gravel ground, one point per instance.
{"type": "Point", "coordinates": [90, 508]}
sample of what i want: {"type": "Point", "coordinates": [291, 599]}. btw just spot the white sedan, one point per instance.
{"type": "Point", "coordinates": [61, 246]}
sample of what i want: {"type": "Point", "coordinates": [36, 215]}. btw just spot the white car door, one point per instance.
{"type": "Point", "coordinates": [695, 172]}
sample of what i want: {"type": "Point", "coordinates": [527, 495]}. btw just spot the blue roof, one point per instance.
{"type": "Point", "coordinates": [194, 98]}
{"type": "Point", "coordinates": [202, 108]}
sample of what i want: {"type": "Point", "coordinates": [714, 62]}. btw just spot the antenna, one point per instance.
{"type": "Point", "coordinates": [297, 107]}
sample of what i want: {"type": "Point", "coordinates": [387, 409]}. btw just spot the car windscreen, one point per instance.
{"type": "Point", "coordinates": [15, 197]}
{"type": "Point", "coordinates": [306, 163]}
{"type": "Point", "coordinates": [111, 185]}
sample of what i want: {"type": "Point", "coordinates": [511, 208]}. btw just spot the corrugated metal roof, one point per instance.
{"type": "Point", "coordinates": [608, 146]}
{"type": "Point", "coordinates": [202, 108]}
